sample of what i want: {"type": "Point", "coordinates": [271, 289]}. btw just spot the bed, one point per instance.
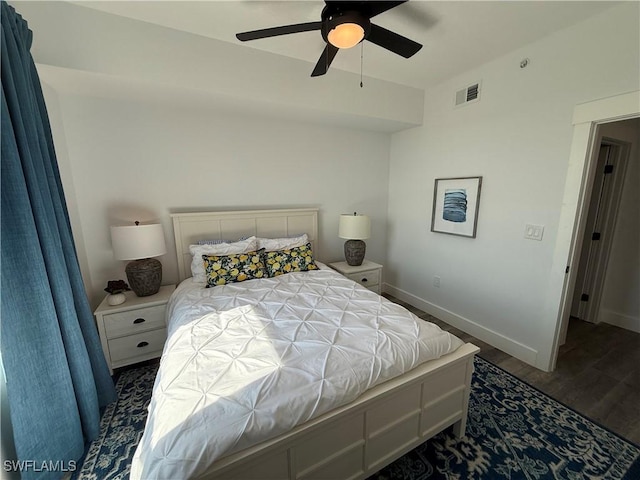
{"type": "Point", "coordinates": [301, 375]}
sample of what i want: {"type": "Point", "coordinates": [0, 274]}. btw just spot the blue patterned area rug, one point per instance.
{"type": "Point", "coordinates": [109, 456]}
{"type": "Point", "coordinates": [514, 432]}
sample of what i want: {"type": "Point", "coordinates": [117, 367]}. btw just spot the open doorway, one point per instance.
{"type": "Point", "coordinates": [588, 120]}
{"type": "Point", "coordinates": [606, 195]}
{"type": "Point", "coordinates": [605, 277]}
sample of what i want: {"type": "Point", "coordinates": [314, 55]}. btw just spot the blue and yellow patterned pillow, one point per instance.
{"type": "Point", "coordinates": [297, 259]}
{"type": "Point", "coordinates": [223, 269]}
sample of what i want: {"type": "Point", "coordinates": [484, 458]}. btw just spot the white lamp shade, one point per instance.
{"type": "Point", "coordinates": [135, 242]}
{"type": "Point", "coordinates": [354, 227]}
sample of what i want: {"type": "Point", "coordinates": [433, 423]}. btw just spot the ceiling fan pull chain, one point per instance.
{"type": "Point", "coordinates": [361, 57]}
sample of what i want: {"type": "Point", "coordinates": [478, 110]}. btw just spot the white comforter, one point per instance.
{"type": "Point", "coordinates": [248, 361]}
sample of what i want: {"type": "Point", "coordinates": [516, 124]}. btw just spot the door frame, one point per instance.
{"type": "Point", "coordinates": [620, 152]}
{"type": "Point", "coordinates": [577, 192]}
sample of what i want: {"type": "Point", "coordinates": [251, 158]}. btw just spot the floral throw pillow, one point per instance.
{"type": "Point", "coordinates": [224, 269]}
{"type": "Point", "coordinates": [297, 259]}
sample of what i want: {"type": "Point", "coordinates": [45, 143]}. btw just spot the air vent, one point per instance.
{"type": "Point", "coordinates": [468, 95]}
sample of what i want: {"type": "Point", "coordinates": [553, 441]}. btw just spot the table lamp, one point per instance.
{"type": "Point", "coordinates": [355, 228]}
{"type": "Point", "coordinates": [139, 243]}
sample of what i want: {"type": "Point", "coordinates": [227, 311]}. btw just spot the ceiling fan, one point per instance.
{"type": "Point", "coordinates": [344, 24]}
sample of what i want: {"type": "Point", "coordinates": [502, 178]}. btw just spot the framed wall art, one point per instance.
{"type": "Point", "coordinates": [455, 206]}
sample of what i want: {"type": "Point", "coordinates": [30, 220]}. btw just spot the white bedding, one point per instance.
{"type": "Point", "coordinates": [248, 361]}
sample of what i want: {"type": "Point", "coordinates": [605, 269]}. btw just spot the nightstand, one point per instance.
{"type": "Point", "coordinates": [369, 274]}
{"type": "Point", "coordinates": [135, 330]}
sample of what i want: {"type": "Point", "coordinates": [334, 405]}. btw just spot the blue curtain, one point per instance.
{"type": "Point", "coordinates": [57, 377]}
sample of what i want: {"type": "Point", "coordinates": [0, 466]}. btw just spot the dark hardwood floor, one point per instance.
{"type": "Point", "coordinates": [597, 372]}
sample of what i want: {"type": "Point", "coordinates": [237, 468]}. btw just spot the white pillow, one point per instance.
{"type": "Point", "coordinates": [273, 244]}
{"type": "Point", "coordinates": [197, 264]}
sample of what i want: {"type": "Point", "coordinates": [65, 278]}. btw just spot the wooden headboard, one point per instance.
{"type": "Point", "coordinates": [188, 228]}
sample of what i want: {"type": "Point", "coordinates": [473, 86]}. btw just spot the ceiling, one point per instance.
{"type": "Point", "coordinates": [456, 35]}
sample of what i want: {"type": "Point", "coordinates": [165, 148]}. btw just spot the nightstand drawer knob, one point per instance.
{"type": "Point", "coordinates": [139, 320]}
{"type": "Point", "coordinates": [142, 344]}
{"type": "Point", "coordinates": [364, 279]}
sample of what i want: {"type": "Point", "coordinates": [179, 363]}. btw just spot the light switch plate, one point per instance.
{"type": "Point", "coordinates": [533, 232]}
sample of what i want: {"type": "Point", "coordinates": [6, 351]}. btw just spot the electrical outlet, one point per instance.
{"type": "Point", "coordinates": [533, 232]}
{"type": "Point", "coordinates": [436, 281]}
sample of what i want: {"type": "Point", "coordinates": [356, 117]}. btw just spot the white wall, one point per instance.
{"type": "Point", "coordinates": [154, 120]}
{"type": "Point", "coordinates": [620, 303]}
{"type": "Point", "coordinates": [152, 60]}
{"type": "Point", "coordinates": [123, 161]}
{"type": "Point", "coordinates": [518, 137]}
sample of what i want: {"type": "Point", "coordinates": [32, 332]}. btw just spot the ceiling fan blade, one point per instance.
{"type": "Point", "coordinates": [328, 54]}
{"type": "Point", "coordinates": [393, 42]}
{"type": "Point", "coordinates": [371, 9]}
{"type": "Point", "coordinates": [276, 31]}
{"type": "Point", "coordinates": [367, 8]}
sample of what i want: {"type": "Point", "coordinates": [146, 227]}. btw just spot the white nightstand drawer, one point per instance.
{"type": "Point", "coordinates": [369, 278]}
{"type": "Point", "coordinates": [141, 344]}
{"type": "Point", "coordinates": [134, 321]}
{"type": "Point", "coordinates": [369, 274]}
{"type": "Point", "coordinates": [137, 321]}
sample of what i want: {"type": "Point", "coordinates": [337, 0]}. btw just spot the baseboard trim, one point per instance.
{"type": "Point", "coordinates": [619, 320]}
{"type": "Point", "coordinates": [499, 341]}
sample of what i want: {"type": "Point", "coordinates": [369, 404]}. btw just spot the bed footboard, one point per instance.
{"type": "Point", "coordinates": [358, 439]}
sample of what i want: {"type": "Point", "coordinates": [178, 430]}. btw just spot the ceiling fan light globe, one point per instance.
{"type": "Point", "coordinates": [346, 35]}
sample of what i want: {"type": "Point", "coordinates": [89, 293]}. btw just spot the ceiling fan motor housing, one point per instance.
{"type": "Point", "coordinates": [332, 17]}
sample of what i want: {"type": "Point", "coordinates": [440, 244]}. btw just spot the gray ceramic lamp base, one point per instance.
{"type": "Point", "coordinates": [144, 276]}
{"type": "Point", "coordinates": [354, 252]}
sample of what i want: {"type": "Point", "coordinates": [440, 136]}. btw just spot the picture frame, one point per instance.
{"type": "Point", "coordinates": [455, 206]}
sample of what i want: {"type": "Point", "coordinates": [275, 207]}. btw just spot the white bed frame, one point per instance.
{"type": "Point", "coordinates": [358, 439]}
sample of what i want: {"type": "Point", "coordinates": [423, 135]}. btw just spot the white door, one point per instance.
{"type": "Point", "coordinates": [598, 229]}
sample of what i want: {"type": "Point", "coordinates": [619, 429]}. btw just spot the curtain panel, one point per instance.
{"type": "Point", "coordinates": [57, 377]}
